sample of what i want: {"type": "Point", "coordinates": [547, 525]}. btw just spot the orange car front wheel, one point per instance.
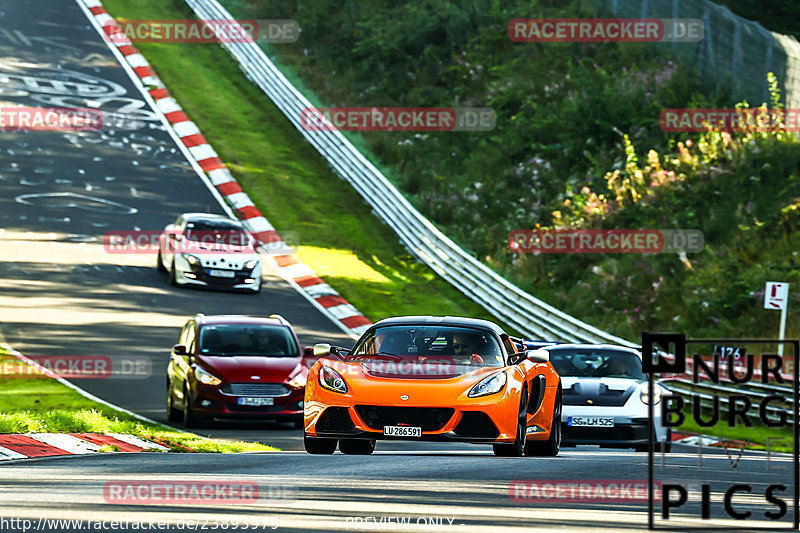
{"type": "Point", "coordinates": [517, 448]}
{"type": "Point", "coordinates": [356, 446]}
{"type": "Point", "coordinates": [551, 446]}
{"type": "Point", "coordinates": [318, 446]}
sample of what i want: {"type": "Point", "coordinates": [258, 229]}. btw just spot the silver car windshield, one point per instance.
{"type": "Point", "coordinates": [596, 363]}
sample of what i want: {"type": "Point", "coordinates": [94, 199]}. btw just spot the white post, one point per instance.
{"type": "Point", "coordinates": [782, 331]}
{"type": "Point", "coordinates": [776, 296]}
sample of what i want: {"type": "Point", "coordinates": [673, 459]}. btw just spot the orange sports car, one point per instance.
{"type": "Point", "coordinates": [433, 379]}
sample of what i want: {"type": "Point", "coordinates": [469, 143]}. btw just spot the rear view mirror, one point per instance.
{"type": "Point", "coordinates": [180, 349]}
{"type": "Point", "coordinates": [322, 350]}
{"type": "Point", "coordinates": [326, 350]}
{"type": "Point", "coordinates": [538, 356]}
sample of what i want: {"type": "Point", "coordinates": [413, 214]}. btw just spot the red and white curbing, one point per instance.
{"type": "Point", "coordinates": [694, 440]}
{"type": "Point", "coordinates": [57, 444]}
{"type": "Point", "coordinates": [706, 440]}
{"type": "Point", "coordinates": [288, 265]}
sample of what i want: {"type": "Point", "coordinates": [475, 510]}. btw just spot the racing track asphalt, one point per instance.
{"type": "Point", "coordinates": [300, 492]}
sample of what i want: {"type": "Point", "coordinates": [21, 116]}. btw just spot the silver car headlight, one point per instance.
{"type": "Point", "coordinates": [644, 395]}
{"type": "Point", "coordinates": [250, 265]}
{"type": "Point", "coordinates": [488, 385]}
{"type": "Point", "coordinates": [191, 259]}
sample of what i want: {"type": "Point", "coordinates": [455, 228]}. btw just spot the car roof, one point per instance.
{"type": "Point", "coordinates": [593, 347]}
{"type": "Point", "coordinates": [440, 321]}
{"type": "Point", "coordinates": [274, 320]}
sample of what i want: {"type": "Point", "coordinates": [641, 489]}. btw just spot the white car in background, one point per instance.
{"type": "Point", "coordinates": [211, 251]}
{"type": "Point", "coordinates": [605, 397]}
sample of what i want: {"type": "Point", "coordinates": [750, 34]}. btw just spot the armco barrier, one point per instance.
{"type": "Point", "coordinates": [503, 299]}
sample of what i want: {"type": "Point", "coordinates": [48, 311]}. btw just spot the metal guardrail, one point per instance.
{"type": "Point", "coordinates": [706, 391]}
{"type": "Point", "coordinates": [506, 301]}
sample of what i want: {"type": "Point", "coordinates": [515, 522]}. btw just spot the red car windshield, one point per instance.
{"type": "Point", "coordinates": [433, 351]}
{"type": "Point", "coordinates": [247, 340]}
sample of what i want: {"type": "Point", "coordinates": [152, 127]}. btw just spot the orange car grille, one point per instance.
{"type": "Point", "coordinates": [476, 424]}
{"type": "Point", "coordinates": [335, 420]}
{"type": "Point", "coordinates": [428, 418]}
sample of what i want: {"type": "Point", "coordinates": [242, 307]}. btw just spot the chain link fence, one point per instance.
{"type": "Point", "coordinates": [735, 54]}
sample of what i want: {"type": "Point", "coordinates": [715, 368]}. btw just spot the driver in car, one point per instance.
{"type": "Point", "coordinates": [465, 348]}
{"type": "Point", "coordinates": [267, 344]}
{"type": "Point", "coordinates": [615, 366]}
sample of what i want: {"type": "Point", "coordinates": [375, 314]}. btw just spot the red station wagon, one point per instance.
{"type": "Point", "coordinates": [231, 366]}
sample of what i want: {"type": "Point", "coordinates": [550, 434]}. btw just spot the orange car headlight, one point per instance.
{"type": "Point", "coordinates": [488, 385]}
{"type": "Point", "coordinates": [331, 379]}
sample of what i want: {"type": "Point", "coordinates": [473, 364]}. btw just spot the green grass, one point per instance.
{"type": "Point", "coordinates": [755, 436]}
{"type": "Point", "coordinates": [31, 403]}
{"type": "Point", "coordinates": [289, 181]}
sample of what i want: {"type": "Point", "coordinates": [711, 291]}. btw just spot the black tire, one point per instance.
{"type": "Point", "coordinates": [667, 444]}
{"type": "Point", "coordinates": [190, 417]}
{"type": "Point", "coordinates": [356, 446]}
{"type": "Point", "coordinates": [173, 414]}
{"type": "Point", "coordinates": [517, 448]}
{"type": "Point", "coordinates": [159, 263]}
{"type": "Point", "coordinates": [318, 446]}
{"type": "Point", "coordinates": [551, 446]}
{"type": "Point", "coordinates": [173, 280]}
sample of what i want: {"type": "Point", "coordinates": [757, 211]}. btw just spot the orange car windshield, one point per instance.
{"type": "Point", "coordinates": [430, 349]}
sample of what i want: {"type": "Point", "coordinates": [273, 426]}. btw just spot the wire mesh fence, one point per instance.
{"type": "Point", "coordinates": [734, 55]}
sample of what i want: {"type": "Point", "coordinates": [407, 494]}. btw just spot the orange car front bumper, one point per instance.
{"type": "Point", "coordinates": [441, 408]}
